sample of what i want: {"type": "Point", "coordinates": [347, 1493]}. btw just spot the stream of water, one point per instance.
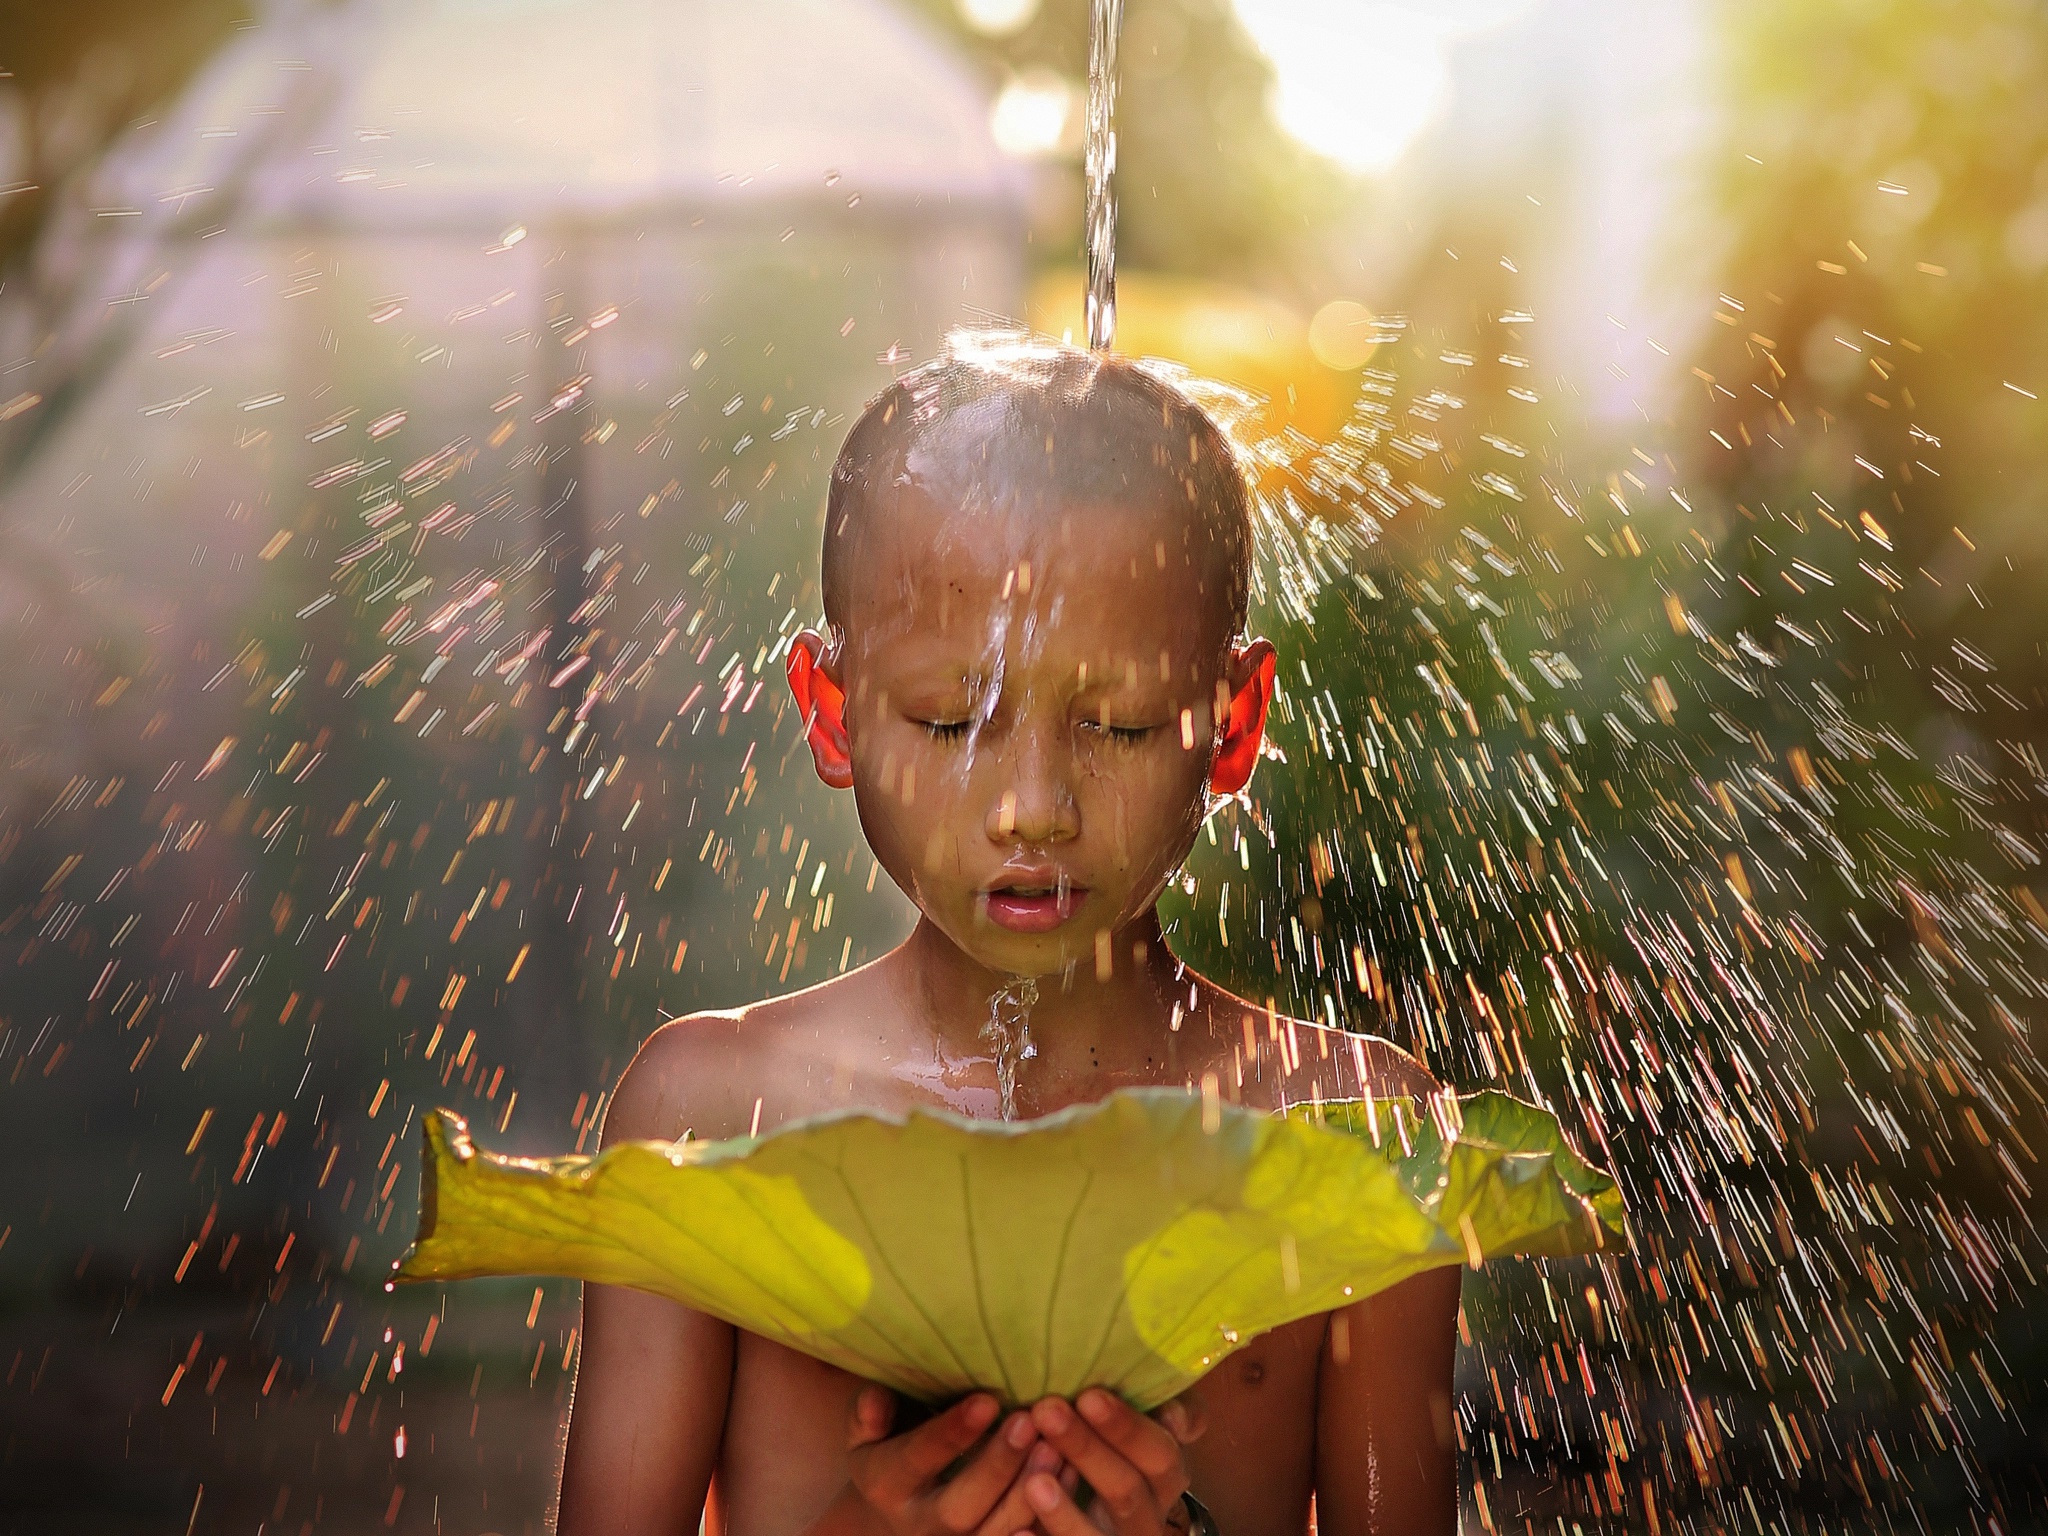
{"type": "Point", "coordinates": [1694, 890]}
{"type": "Point", "coordinates": [1606, 769]}
{"type": "Point", "coordinates": [1099, 169]}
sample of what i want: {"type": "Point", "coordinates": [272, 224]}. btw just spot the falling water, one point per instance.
{"type": "Point", "coordinates": [1008, 1030]}
{"type": "Point", "coordinates": [1756, 918]}
{"type": "Point", "coordinates": [1099, 159]}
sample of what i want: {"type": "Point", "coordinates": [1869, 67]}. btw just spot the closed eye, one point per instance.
{"type": "Point", "coordinates": [1127, 735]}
{"type": "Point", "coordinates": [946, 730]}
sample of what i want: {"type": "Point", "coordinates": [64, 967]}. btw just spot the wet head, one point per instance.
{"type": "Point", "coordinates": [1036, 566]}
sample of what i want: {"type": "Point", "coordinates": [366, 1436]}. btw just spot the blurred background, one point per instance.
{"type": "Point", "coordinates": [414, 422]}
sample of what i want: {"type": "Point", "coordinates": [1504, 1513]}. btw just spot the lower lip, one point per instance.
{"type": "Point", "coordinates": [1032, 914]}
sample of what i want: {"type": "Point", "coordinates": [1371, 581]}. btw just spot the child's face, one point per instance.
{"type": "Point", "coordinates": [1031, 718]}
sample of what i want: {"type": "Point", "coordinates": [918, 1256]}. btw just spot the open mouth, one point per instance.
{"type": "Point", "coordinates": [1025, 908]}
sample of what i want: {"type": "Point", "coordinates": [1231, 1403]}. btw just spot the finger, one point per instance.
{"type": "Point", "coordinates": [936, 1444]}
{"type": "Point", "coordinates": [1120, 1484]}
{"type": "Point", "coordinates": [1014, 1514]}
{"type": "Point", "coordinates": [869, 1416]}
{"type": "Point", "coordinates": [896, 1469]}
{"type": "Point", "coordinates": [1146, 1443]}
{"type": "Point", "coordinates": [1186, 1417]}
{"type": "Point", "coordinates": [1054, 1506]}
{"type": "Point", "coordinates": [969, 1497]}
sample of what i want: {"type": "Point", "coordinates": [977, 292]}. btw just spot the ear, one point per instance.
{"type": "Point", "coordinates": [1251, 685]}
{"type": "Point", "coordinates": [822, 703]}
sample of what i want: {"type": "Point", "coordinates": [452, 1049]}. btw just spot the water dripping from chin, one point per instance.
{"type": "Point", "coordinates": [1008, 1032]}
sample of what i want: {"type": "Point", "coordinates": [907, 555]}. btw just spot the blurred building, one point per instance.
{"type": "Point", "coordinates": [1571, 154]}
{"type": "Point", "coordinates": [412, 455]}
{"type": "Point", "coordinates": [583, 259]}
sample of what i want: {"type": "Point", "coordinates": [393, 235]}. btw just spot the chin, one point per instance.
{"type": "Point", "coordinates": [1021, 955]}
{"type": "Point", "coordinates": [1026, 954]}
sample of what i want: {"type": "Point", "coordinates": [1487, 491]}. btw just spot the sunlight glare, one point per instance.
{"type": "Point", "coordinates": [1360, 81]}
{"type": "Point", "coordinates": [1037, 113]}
{"type": "Point", "coordinates": [998, 18]}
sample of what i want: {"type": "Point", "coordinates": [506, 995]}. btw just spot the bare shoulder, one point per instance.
{"type": "Point", "coordinates": [1341, 1062]}
{"type": "Point", "coordinates": [677, 1082]}
{"type": "Point", "coordinates": [1348, 1064]}
{"type": "Point", "coordinates": [731, 1071]}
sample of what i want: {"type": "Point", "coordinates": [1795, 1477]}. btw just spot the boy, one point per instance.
{"type": "Point", "coordinates": [1036, 566]}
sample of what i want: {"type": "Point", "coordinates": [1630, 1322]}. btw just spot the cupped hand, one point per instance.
{"type": "Point", "coordinates": [903, 1478]}
{"type": "Point", "coordinates": [1133, 1462]}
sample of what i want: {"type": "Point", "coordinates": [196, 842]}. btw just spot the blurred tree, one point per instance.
{"type": "Point", "coordinates": [79, 74]}
{"type": "Point", "coordinates": [75, 79]}
{"type": "Point", "coordinates": [1753, 692]}
{"type": "Point", "coordinates": [1885, 189]}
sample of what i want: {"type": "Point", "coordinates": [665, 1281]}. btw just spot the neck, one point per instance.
{"type": "Point", "coordinates": [1079, 1014]}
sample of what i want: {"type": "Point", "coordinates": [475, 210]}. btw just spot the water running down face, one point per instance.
{"type": "Point", "coordinates": [1035, 571]}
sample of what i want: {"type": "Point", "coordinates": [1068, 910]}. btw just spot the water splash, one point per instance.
{"type": "Point", "coordinates": [1008, 1030]}
{"type": "Point", "coordinates": [1099, 167]}
{"type": "Point", "coordinates": [1671, 887]}
{"type": "Point", "coordinates": [1590, 821]}
{"type": "Point", "coordinates": [1772, 956]}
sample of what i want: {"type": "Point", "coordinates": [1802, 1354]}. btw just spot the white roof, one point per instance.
{"type": "Point", "coordinates": [461, 113]}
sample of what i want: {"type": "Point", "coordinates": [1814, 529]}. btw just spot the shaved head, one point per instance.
{"type": "Point", "coordinates": [1002, 429]}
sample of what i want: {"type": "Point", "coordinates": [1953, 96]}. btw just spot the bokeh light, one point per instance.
{"type": "Point", "coordinates": [1360, 81]}
{"type": "Point", "coordinates": [1342, 335]}
{"type": "Point", "coordinates": [1037, 113]}
{"type": "Point", "coordinates": [998, 18]}
{"type": "Point", "coordinates": [414, 422]}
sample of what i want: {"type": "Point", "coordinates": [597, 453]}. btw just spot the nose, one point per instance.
{"type": "Point", "coordinates": [1035, 800]}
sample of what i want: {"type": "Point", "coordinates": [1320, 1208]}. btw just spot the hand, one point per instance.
{"type": "Point", "coordinates": [1133, 1463]}
{"type": "Point", "coordinates": [899, 1477]}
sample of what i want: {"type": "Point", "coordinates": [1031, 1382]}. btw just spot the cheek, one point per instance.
{"type": "Point", "coordinates": [1146, 808]}
{"type": "Point", "coordinates": [911, 793]}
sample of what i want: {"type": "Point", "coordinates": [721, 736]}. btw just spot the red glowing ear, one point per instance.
{"type": "Point", "coordinates": [822, 702]}
{"type": "Point", "coordinates": [1244, 732]}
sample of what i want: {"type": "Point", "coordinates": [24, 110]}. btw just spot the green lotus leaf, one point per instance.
{"type": "Point", "coordinates": [1130, 1243]}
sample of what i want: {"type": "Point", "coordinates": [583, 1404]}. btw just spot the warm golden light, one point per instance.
{"type": "Point", "coordinates": [998, 18]}
{"type": "Point", "coordinates": [1038, 113]}
{"type": "Point", "coordinates": [1341, 335]}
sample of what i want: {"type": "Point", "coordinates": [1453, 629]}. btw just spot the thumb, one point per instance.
{"type": "Point", "coordinates": [871, 1417]}
{"type": "Point", "coordinates": [1185, 1418]}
